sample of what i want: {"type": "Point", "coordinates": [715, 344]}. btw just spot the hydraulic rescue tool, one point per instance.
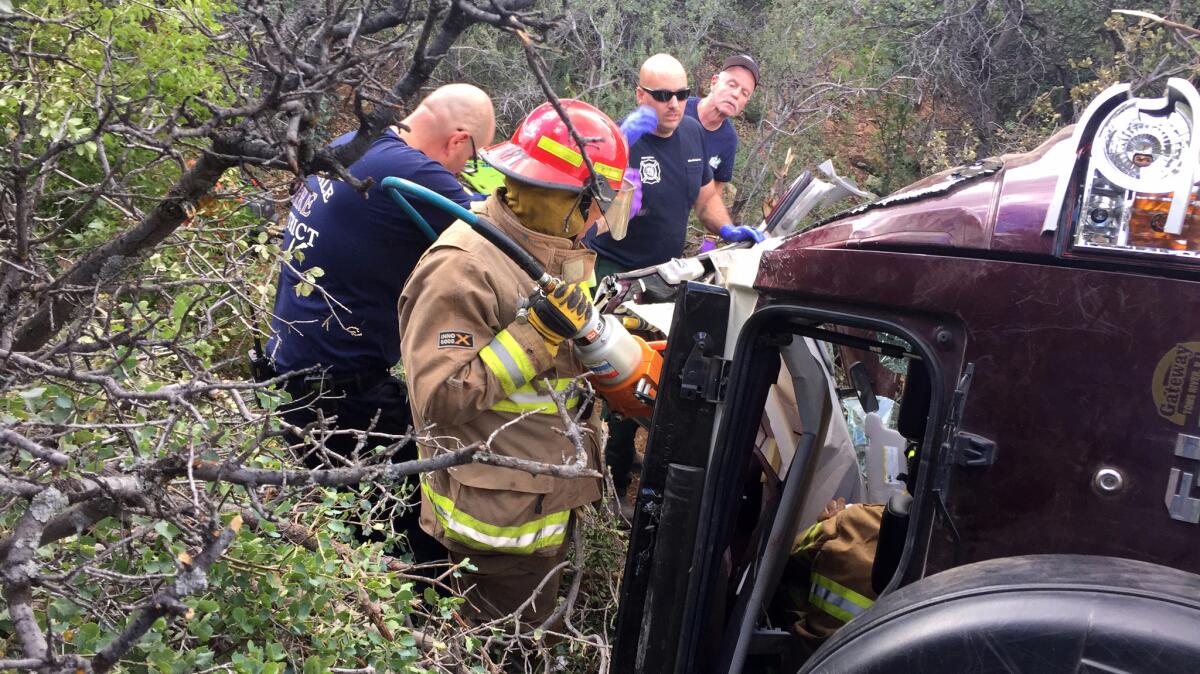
{"type": "Point", "coordinates": [624, 367]}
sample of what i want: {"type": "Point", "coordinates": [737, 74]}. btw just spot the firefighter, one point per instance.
{"type": "Point", "coordinates": [474, 365]}
{"type": "Point", "coordinates": [342, 327]}
{"type": "Point", "coordinates": [827, 582]}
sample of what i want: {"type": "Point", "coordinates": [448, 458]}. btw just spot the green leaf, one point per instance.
{"type": "Point", "coordinates": [182, 302]}
{"type": "Point", "coordinates": [64, 610]}
{"type": "Point", "coordinates": [207, 606]}
{"type": "Point", "coordinates": [202, 629]}
{"type": "Point", "coordinates": [88, 634]}
{"type": "Point", "coordinates": [163, 660]}
{"type": "Point", "coordinates": [166, 530]}
{"type": "Point", "coordinates": [431, 595]}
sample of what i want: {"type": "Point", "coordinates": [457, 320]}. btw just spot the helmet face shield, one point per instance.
{"type": "Point", "coordinates": [615, 207]}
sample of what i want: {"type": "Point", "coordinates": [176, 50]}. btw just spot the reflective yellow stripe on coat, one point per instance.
{"type": "Point", "coordinates": [524, 539]}
{"type": "Point", "coordinates": [836, 599]}
{"type": "Point", "coordinates": [508, 361]}
{"type": "Point", "coordinates": [528, 399]}
{"type": "Point", "coordinates": [806, 541]}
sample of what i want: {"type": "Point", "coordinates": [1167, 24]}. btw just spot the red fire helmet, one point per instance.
{"type": "Point", "coordinates": [542, 151]}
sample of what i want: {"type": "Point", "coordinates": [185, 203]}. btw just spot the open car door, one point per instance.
{"type": "Point", "coordinates": [748, 442]}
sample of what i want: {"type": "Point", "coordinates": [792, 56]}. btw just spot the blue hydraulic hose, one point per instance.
{"type": "Point", "coordinates": [398, 187]}
{"type": "Point", "coordinates": [393, 186]}
{"type": "Point", "coordinates": [425, 194]}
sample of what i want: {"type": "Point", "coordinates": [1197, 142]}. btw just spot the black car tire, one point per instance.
{"type": "Point", "coordinates": [1039, 613]}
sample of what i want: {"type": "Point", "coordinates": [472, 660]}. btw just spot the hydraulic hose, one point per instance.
{"type": "Point", "coordinates": [408, 209]}
{"type": "Point", "coordinates": [603, 345]}
{"type": "Point", "coordinates": [399, 187]}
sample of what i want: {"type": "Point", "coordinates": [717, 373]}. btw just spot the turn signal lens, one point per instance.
{"type": "Point", "coordinates": [1148, 217]}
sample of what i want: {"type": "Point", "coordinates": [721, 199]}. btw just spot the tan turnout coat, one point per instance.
{"type": "Point", "coordinates": [828, 578]}
{"type": "Point", "coordinates": [472, 368]}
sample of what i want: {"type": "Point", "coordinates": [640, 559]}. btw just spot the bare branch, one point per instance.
{"type": "Point", "coordinates": [52, 456]}
{"type": "Point", "coordinates": [192, 578]}
{"type": "Point", "coordinates": [1182, 27]}
{"type": "Point", "coordinates": [19, 570]}
{"type": "Point", "coordinates": [74, 521]}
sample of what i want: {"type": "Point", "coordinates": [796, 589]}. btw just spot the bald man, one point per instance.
{"type": "Point", "coordinates": [676, 180]}
{"type": "Point", "coordinates": [347, 256]}
{"type": "Point", "coordinates": [676, 177]}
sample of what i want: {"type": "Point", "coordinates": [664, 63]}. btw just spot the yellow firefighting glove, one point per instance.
{"type": "Point", "coordinates": [560, 314]}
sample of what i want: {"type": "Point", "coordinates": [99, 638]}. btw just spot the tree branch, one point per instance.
{"type": "Point", "coordinates": [74, 521]}
{"type": "Point", "coordinates": [109, 258]}
{"type": "Point", "coordinates": [192, 578]}
{"type": "Point", "coordinates": [19, 570]}
{"type": "Point", "coordinates": [1181, 27]}
{"type": "Point", "coordinates": [52, 456]}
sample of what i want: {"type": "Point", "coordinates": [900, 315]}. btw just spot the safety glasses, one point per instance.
{"type": "Point", "coordinates": [664, 95]}
{"type": "Point", "coordinates": [472, 165]}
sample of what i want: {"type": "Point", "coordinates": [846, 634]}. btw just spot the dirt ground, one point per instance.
{"type": "Point", "coordinates": [635, 474]}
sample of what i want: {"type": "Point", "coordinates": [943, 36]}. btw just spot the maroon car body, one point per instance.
{"type": "Point", "coordinates": [1049, 304]}
{"type": "Point", "coordinates": [1067, 354]}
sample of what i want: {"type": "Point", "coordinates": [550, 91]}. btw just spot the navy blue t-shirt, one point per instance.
{"type": "Point", "coordinates": [672, 170]}
{"type": "Point", "coordinates": [720, 146]}
{"type": "Point", "coordinates": [366, 248]}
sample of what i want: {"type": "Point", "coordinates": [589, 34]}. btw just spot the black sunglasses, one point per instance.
{"type": "Point", "coordinates": [472, 165]}
{"type": "Point", "coordinates": [664, 95]}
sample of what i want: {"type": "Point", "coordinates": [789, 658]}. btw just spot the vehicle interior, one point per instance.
{"type": "Point", "coordinates": [818, 410]}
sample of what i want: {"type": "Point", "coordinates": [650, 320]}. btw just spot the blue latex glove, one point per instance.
{"type": "Point", "coordinates": [635, 202]}
{"type": "Point", "coordinates": [735, 233]}
{"type": "Point", "coordinates": [638, 123]}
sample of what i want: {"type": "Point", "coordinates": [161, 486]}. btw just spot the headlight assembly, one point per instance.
{"type": "Point", "coordinates": [1144, 150]}
{"type": "Point", "coordinates": [1139, 192]}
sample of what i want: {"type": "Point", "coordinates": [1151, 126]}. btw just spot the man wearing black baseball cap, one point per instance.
{"type": "Point", "coordinates": [730, 90]}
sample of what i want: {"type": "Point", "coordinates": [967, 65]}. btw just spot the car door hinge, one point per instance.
{"type": "Point", "coordinates": [705, 374]}
{"type": "Point", "coordinates": [948, 450]}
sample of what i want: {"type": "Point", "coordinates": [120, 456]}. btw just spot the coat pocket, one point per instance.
{"type": "Point", "coordinates": [492, 520]}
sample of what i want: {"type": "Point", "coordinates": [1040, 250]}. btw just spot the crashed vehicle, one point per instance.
{"type": "Point", "coordinates": [1035, 319]}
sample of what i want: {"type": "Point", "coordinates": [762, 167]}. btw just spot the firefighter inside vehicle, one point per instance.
{"type": "Point", "coordinates": [1003, 359]}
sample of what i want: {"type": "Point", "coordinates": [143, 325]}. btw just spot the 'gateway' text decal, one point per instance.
{"type": "Point", "coordinates": [1176, 384]}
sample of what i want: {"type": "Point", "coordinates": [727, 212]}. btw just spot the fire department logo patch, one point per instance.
{"type": "Point", "coordinates": [1176, 383]}
{"type": "Point", "coordinates": [649, 171]}
{"type": "Point", "coordinates": [454, 339]}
